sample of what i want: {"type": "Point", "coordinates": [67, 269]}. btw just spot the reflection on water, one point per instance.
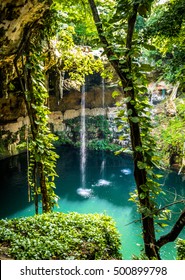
{"type": "Point", "coordinates": [102, 169]}
{"type": "Point", "coordinates": [107, 194]}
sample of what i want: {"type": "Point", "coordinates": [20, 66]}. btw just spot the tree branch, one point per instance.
{"type": "Point", "coordinates": [106, 45]}
{"type": "Point", "coordinates": [170, 204]}
{"type": "Point", "coordinates": [158, 211]}
{"type": "Point", "coordinates": [173, 234]}
{"type": "Point", "coordinates": [131, 26]}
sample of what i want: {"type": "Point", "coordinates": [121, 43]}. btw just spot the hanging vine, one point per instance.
{"type": "Point", "coordinates": [41, 49]}
{"type": "Point", "coordinates": [42, 155]}
{"type": "Point", "coordinates": [29, 64]}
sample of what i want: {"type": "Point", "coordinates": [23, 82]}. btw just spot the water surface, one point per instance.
{"type": "Point", "coordinates": [109, 180]}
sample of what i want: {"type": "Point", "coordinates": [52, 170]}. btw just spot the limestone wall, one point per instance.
{"type": "Point", "coordinates": [15, 132]}
{"type": "Point", "coordinates": [57, 119]}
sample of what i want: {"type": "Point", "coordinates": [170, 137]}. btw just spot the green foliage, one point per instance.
{"type": "Point", "coordinates": [171, 135]}
{"type": "Point", "coordinates": [79, 64]}
{"type": "Point", "coordinates": [3, 150]}
{"type": "Point", "coordinates": [63, 139]}
{"type": "Point", "coordinates": [61, 30]}
{"type": "Point", "coordinates": [150, 155]}
{"type": "Point", "coordinates": [96, 128]}
{"type": "Point", "coordinates": [77, 15]}
{"type": "Point", "coordinates": [61, 236]}
{"type": "Point", "coordinates": [142, 257]}
{"type": "Point", "coordinates": [102, 145]}
{"type": "Point", "coordinates": [42, 160]}
{"type": "Point", "coordinates": [171, 18]}
{"type": "Point", "coordinates": [180, 245]}
{"type": "Point", "coordinates": [168, 37]}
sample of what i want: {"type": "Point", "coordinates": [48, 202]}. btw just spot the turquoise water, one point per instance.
{"type": "Point", "coordinates": [109, 180]}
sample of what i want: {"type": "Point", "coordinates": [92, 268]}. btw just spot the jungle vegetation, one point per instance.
{"type": "Point", "coordinates": [135, 44]}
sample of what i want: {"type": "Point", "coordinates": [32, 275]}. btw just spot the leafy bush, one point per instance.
{"type": "Point", "coordinates": [61, 236]}
{"type": "Point", "coordinates": [102, 145]}
{"type": "Point", "coordinates": [180, 244]}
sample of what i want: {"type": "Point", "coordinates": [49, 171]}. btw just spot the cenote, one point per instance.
{"type": "Point", "coordinates": [108, 182]}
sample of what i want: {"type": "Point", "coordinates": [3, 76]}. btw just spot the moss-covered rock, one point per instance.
{"type": "Point", "coordinates": [61, 236]}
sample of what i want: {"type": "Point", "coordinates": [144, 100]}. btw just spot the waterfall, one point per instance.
{"type": "Point", "coordinates": [102, 170]}
{"type": "Point", "coordinates": [103, 182]}
{"type": "Point", "coordinates": [83, 140]}
{"type": "Point", "coordinates": [83, 190]}
{"type": "Point", "coordinates": [61, 85]}
{"type": "Point", "coordinates": [103, 96]}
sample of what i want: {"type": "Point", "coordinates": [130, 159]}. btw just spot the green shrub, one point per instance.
{"type": "Point", "coordinates": [102, 145]}
{"type": "Point", "coordinates": [180, 245]}
{"type": "Point", "coordinates": [63, 139]}
{"type": "Point", "coordinates": [61, 236]}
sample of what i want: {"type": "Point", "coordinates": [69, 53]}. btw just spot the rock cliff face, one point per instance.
{"type": "Point", "coordinates": [14, 121]}
{"type": "Point", "coordinates": [72, 99]}
{"type": "Point", "coordinates": [57, 119]}
{"type": "Point", "coordinates": [16, 18]}
{"type": "Point", "coordinates": [17, 21]}
{"type": "Point", "coordinates": [12, 107]}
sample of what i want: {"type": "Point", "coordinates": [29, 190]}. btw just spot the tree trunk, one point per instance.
{"type": "Point", "coordinates": [45, 201]}
{"type": "Point", "coordinates": [140, 174]}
